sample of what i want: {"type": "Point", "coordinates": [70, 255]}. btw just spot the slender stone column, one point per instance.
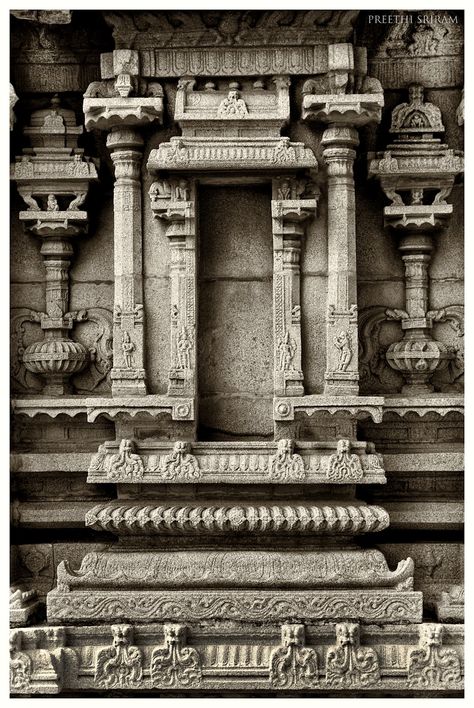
{"type": "Point", "coordinates": [128, 373]}
{"type": "Point", "coordinates": [342, 374]}
{"type": "Point", "coordinates": [174, 202]}
{"type": "Point", "coordinates": [345, 99]}
{"type": "Point", "coordinates": [289, 214]}
{"type": "Point", "coordinates": [120, 105]}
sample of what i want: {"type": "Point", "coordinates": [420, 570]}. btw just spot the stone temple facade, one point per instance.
{"type": "Point", "coordinates": [236, 354]}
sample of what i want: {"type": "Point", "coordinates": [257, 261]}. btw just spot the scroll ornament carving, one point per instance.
{"type": "Point", "coordinates": [344, 466]}
{"type": "Point", "coordinates": [125, 464]}
{"type": "Point", "coordinates": [180, 463]}
{"type": "Point", "coordinates": [373, 361]}
{"type": "Point", "coordinates": [348, 665]}
{"type": "Point", "coordinates": [293, 665]}
{"type": "Point", "coordinates": [286, 465]}
{"type": "Point", "coordinates": [119, 666]}
{"type": "Point", "coordinates": [21, 666]}
{"type": "Point", "coordinates": [175, 665]}
{"type": "Point", "coordinates": [431, 665]}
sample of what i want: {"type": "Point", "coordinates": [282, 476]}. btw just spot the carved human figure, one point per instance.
{"type": "Point", "coordinates": [286, 351]}
{"type": "Point", "coordinates": [232, 106]}
{"type": "Point", "coordinates": [52, 203]}
{"type": "Point", "coordinates": [284, 190]}
{"type": "Point", "coordinates": [343, 343]}
{"type": "Point", "coordinates": [128, 348]}
{"type": "Point", "coordinates": [184, 345]}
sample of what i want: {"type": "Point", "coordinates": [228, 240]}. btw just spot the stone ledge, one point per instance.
{"type": "Point", "coordinates": [177, 408]}
{"type": "Point", "coordinates": [359, 406]}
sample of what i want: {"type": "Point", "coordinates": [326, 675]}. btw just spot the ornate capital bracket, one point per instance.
{"type": "Point", "coordinates": [345, 95]}
{"type": "Point", "coordinates": [292, 664]}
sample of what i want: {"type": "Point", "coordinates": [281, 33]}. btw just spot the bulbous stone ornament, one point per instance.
{"type": "Point", "coordinates": [56, 360]}
{"type": "Point", "coordinates": [417, 360]}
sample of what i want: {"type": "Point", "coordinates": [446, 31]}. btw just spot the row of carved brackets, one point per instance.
{"type": "Point", "coordinates": [427, 657]}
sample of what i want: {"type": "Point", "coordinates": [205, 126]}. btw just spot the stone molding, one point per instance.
{"type": "Point", "coordinates": [257, 657]}
{"type": "Point", "coordinates": [183, 462]}
{"type": "Point", "coordinates": [368, 606]}
{"type": "Point", "coordinates": [124, 518]}
{"type": "Point", "coordinates": [227, 568]}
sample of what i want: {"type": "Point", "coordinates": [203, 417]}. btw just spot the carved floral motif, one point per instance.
{"type": "Point", "coordinates": [119, 666]}
{"type": "Point", "coordinates": [175, 665]}
{"type": "Point", "coordinates": [21, 666]}
{"type": "Point", "coordinates": [348, 665]}
{"type": "Point", "coordinates": [431, 665]}
{"type": "Point", "coordinates": [293, 665]}
{"type": "Point", "coordinates": [180, 464]}
{"type": "Point", "coordinates": [286, 465]}
{"type": "Point", "coordinates": [125, 463]}
{"type": "Point", "coordinates": [344, 466]}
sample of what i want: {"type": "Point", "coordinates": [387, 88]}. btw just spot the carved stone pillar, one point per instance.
{"type": "Point", "coordinates": [414, 167]}
{"type": "Point", "coordinates": [128, 373]}
{"type": "Point", "coordinates": [121, 104]}
{"type": "Point", "coordinates": [53, 178]}
{"type": "Point", "coordinates": [342, 373]}
{"type": "Point", "coordinates": [289, 213]}
{"type": "Point", "coordinates": [174, 201]}
{"type": "Point", "coordinates": [345, 99]}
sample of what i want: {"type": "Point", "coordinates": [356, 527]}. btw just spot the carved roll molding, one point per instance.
{"type": "Point", "coordinates": [411, 169]}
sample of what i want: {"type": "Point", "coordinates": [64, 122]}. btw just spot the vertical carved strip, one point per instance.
{"type": "Point", "coordinates": [342, 337]}
{"type": "Point", "coordinates": [289, 212]}
{"type": "Point", "coordinates": [128, 373]}
{"type": "Point", "coordinates": [175, 202]}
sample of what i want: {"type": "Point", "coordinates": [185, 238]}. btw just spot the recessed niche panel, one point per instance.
{"type": "Point", "coordinates": [235, 312]}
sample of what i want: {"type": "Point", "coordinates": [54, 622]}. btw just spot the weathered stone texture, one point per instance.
{"type": "Point", "coordinates": [237, 354]}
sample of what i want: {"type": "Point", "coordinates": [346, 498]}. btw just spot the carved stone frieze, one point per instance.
{"type": "Point", "coordinates": [450, 606]}
{"type": "Point", "coordinates": [379, 606]}
{"type": "Point", "coordinates": [433, 665]}
{"type": "Point", "coordinates": [348, 664]}
{"type": "Point", "coordinates": [241, 462]}
{"type": "Point", "coordinates": [221, 654]}
{"type": "Point", "coordinates": [175, 665]}
{"type": "Point", "coordinates": [292, 665]}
